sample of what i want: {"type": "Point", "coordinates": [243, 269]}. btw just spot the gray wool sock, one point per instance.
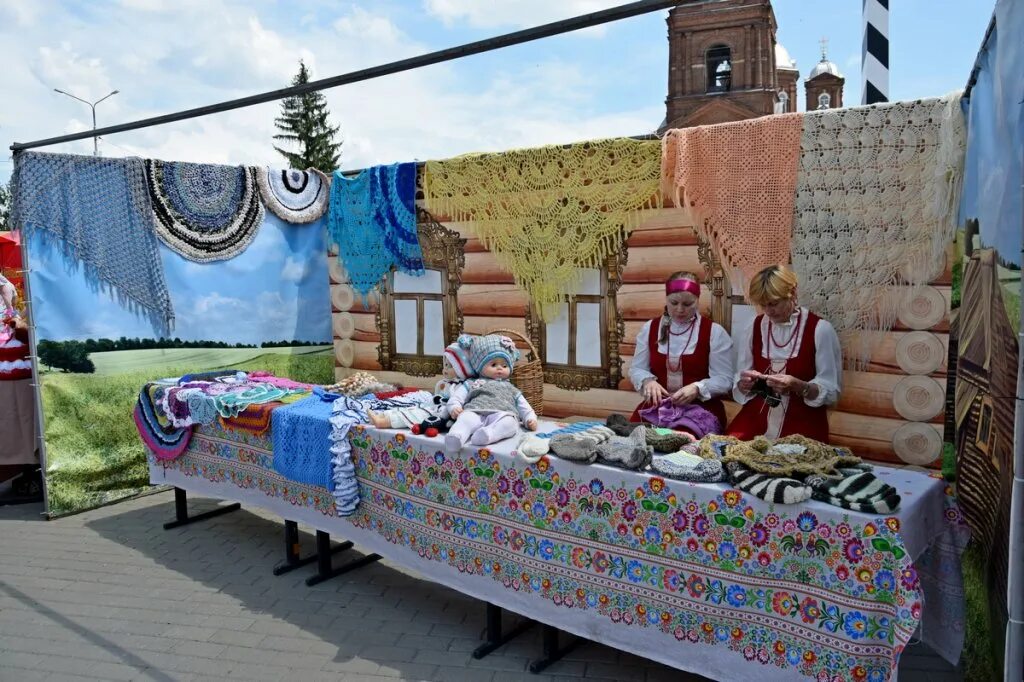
{"type": "Point", "coordinates": [580, 446]}
{"type": "Point", "coordinates": [686, 467]}
{"type": "Point", "coordinates": [857, 490]}
{"type": "Point", "coordinates": [630, 452]}
{"type": "Point", "coordinates": [621, 425]}
{"type": "Point", "coordinates": [777, 489]}
{"type": "Point", "coordinates": [672, 441]}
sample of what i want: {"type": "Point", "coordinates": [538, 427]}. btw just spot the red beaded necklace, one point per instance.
{"type": "Point", "coordinates": [790, 340]}
{"type": "Point", "coordinates": [686, 344]}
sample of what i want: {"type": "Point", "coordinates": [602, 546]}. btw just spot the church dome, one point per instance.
{"type": "Point", "coordinates": [824, 66]}
{"type": "Point", "coordinates": [782, 58]}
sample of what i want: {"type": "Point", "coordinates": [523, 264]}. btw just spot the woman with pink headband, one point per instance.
{"type": "Point", "coordinates": [682, 355]}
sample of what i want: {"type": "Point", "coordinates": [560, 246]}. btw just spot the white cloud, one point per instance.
{"type": "Point", "coordinates": [294, 270]}
{"type": "Point", "coordinates": [523, 13]}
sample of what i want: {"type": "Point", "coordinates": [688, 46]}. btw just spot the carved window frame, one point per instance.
{"type": "Point", "coordinates": [984, 434]}
{"type": "Point", "coordinates": [718, 282]}
{"type": "Point", "coordinates": [570, 376]}
{"type": "Point", "coordinates": [444, 251]}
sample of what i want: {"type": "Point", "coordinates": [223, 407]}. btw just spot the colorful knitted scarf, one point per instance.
{"type": "Point", "coordinates": [295, 196]}
{"type": "Point", "coordinates": [546, 213]}
{"type": "Point", "coordinates": [205, 212]}
{"type": "Point", "coordinates": [98, 211]}
{"type": "Point", "coordinates": [373, 222]}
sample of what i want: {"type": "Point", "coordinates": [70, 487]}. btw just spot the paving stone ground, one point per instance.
{"type": "Point", "coordinates": [110, 595]}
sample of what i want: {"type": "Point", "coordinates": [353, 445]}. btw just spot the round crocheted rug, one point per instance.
{"type": "Point", "coordinates": [204, 212]}
{"type": "Point", "coordinates": [295, 196]}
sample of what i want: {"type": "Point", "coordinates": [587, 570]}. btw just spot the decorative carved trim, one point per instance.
{"type": "Point", "coordinates": [716, 279]}
{"type": "Point", "coordinates": [571, 377]}
{"type": "Point", "coordinates": [444, 251]}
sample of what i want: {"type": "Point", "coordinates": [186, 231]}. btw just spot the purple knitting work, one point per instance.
{"type": "Point", "coordinates": [690, 418]}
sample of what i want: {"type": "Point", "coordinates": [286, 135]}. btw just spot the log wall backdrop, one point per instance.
{"type": "Point", "coordinates": [893, 412]}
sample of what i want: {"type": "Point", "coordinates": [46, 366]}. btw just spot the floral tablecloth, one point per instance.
{"type": "Point", "coordinates": [698, 576]}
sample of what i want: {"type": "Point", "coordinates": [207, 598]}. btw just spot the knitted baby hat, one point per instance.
{"type": "Point", "coordinates": [457, 356]}
{"type": "Point", "coordinates": [486, 348]}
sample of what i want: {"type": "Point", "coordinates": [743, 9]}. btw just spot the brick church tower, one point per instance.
{"type": "Point", "coordinates": [723, 63]}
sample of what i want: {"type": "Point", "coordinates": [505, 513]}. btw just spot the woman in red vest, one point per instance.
{"type": "Point", "coordinates": [682, 355]}
{"type": "Point", "coordinates": [788, 364]}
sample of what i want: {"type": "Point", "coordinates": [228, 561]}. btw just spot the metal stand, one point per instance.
{"type": "Point", "coordinates": [325, 569]}
{"type": "Point", "coordinates": [495, 638]}
{"type": "Point", "coordinates": [552, 653]}
{"type": "Point", "coordinates": [181, 517]}
{"type": "Point", "coordinates": [292, 547]}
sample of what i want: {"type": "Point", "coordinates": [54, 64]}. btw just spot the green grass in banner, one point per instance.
{"type": "Point", "coordinates": [983, 643]}
{"type": "Point", "coordinates": [94, 455]}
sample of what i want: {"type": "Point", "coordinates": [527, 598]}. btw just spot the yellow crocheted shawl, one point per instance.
{"type": "Point", "coordinates": [547, 212]}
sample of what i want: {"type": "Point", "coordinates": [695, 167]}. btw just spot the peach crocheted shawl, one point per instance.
{"type": "Point", "coordinates": [738, 181]}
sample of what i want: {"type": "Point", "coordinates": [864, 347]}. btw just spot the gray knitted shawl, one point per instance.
{"type": "Point", "coordinates": [98, 211]}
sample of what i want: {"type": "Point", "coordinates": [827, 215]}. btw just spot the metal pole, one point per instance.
{"type": "Point", "coordinates": [37, 388]}
{"type": "Point", "coordinates": [1013, 658]}
{"type": "Point", "coordinates": [95, 140]}
{"type": "Point", "coordinates": [632, 9]}
{"type": "Point", "coordinates": [92, 106]}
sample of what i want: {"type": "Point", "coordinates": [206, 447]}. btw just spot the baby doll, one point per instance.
{"type": "Point", "coordinates": [485, 409]}
{"type": "Point", "coordinates": [431, 417]}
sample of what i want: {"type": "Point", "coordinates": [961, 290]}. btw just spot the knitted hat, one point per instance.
{"type": "Point", "coordinates": [457, 356]}
{"type": "Point", "coordinates": [486, 348]}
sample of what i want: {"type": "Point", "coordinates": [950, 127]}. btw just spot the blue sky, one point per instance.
{"type": "Point", "coordinates": [165, 55]}
{"type": "Point", "coordinates": [275, 290]}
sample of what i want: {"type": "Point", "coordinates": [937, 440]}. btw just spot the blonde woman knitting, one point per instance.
{"type": "Point", "coordinates": [788, 364]}
{"type": "Point", "coordinates": [488, 409]}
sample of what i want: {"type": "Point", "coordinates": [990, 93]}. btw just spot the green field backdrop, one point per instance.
{"type": "Point", "coordinates": [93, 451]}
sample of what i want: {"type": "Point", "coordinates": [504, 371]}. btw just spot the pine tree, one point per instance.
{"type": "Point", "coordinates": [304, 122]}
{"type": "Point", "coordinates": [5, 205]}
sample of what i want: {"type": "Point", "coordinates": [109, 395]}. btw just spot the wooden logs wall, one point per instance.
{"type": "Point", "coordinates": [891, 412]}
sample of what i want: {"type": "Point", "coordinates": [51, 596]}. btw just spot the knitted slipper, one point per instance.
{"type": "Point", "coordinates": [627, 453]}
{"type": "Point", "coordinates": [666, 440]}
{"type": "Point", "coordinates": [621, 425]}
{"type": "Point", "coordinates": [581, 446]}
{"type": "Point", "coordinates": [532, 447]}
{"type": "Point", "coordinates": [859, 491]}
{"type": "Point", "coordinates": [775, 489]}
{"type": "Point", "coordinates": [686, 467]}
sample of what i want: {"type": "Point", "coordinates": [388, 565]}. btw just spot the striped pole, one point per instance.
{"type": "Point", "coordinates": [874, 64]}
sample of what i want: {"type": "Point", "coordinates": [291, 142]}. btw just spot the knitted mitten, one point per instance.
{"type": "Point", "coordinates": [666, 440]}
{"type": "Point", "coordinates": [532, 447]}
{"type": "Point", "coordinates": [621, 425]}
{"type": "Point", "coordinates": [580, 446]}
{"type": "Point", "coordinates": [686, 467]}
{"type": "Point", "coordinates": [776, 489]}
{"type": "Point", "coordinates": [627, 452]}
{"type": "Point", "coordinates": [857, 490]}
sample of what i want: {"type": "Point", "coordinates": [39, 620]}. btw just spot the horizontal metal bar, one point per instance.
{"type": "Point", "coordinates": [480, 46]}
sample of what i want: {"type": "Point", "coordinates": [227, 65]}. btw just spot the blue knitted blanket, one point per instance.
{"type": "Point", "coordinates": [301, 434]}
{"type": "Point", "coordinates": [98, 211]}
{"type": "Point", "coordinates": [372, 220]}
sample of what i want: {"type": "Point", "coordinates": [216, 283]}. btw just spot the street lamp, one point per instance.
{"type": "Point", "coordinates": [92, 105]}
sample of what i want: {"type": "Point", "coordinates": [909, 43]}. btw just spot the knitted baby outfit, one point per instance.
{"type": "Point", "coordinates": [775, 489]}
{"type": "Point", "coordinates": [580, 446]}
{"type": "Point", "coordinates": [856, 490]}
{"type": "Point", "coordinates": [486, 348]}
{"type": "Point", "coordinates": [492, 395]}
{"type": "Point", "coordinates": [627, 452]}
{"type": "Point", "coordinates": [684, 466]}
{"type": "Point", "coordinates": [457, 356]}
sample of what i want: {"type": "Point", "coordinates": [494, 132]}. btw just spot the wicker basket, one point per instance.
{"type": "Point", "coordinates": [528, 375]}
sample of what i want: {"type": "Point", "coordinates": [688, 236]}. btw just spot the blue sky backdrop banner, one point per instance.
{"type": "Point", "coordinates": [276, 290]}
{"type": "Point", "coordinates": [168, 55]}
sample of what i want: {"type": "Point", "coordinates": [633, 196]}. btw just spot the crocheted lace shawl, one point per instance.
{"type": "Point", "coordinates": [373, 222]}
{"type": "Point", "coordinates": [876, 206]}
{"type": "Point", "coordinates": [547, 212]}
{"type": "Point", "coordinates": [97, 210]}
{"type": "Point", "coordinates": [295, 196]}
{"type": "Point", "coordinates": [737, 180]}
{"type": "Point", "coordinates": [204, 212]}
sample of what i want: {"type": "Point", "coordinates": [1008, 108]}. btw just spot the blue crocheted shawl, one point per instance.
{"type": "Point", "coordinates": [372, 219]}
{"type": "Point", "coordinates": [98, 211]}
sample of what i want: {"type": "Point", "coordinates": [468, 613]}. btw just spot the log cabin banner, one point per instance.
{"type": "Point", "coordinates": [892, 410]}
